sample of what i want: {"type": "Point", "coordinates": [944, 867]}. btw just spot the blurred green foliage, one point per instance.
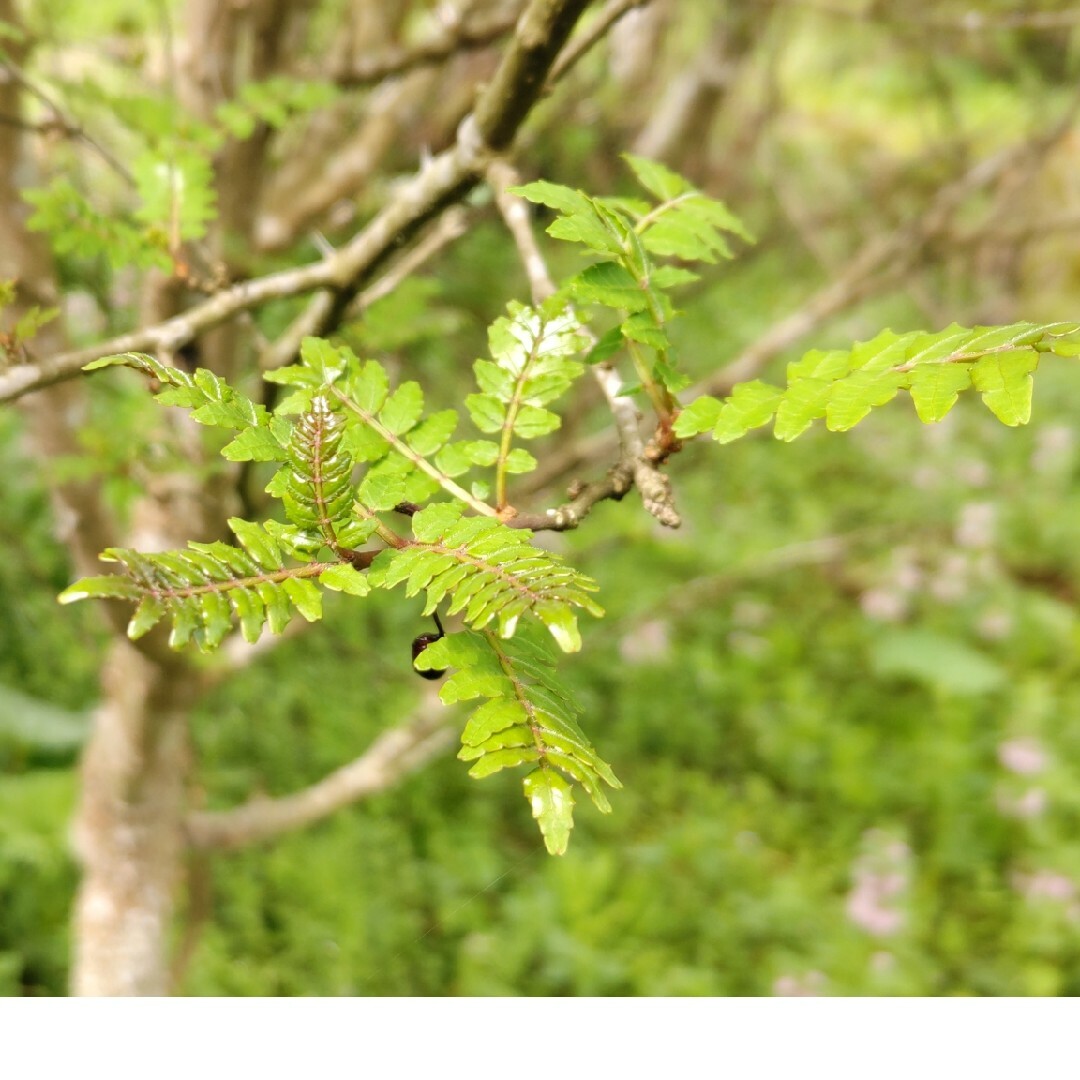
{"type": "Point", "coordinates": [782, 748]}
{"type": "Point", "coordinates": [844, 699]}
{"type": "Point", "coordinates": [810, 803]}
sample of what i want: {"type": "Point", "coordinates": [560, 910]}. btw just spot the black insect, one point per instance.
{"type": "Point", "coordinates": [421, 642]}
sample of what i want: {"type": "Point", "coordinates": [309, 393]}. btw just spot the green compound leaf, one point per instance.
{"type": "Point", "coordinates": [326, 363]}
{"type": "Point", "coordinates": [533, 363]}
{"type": "Point", "coordinates": [520, 461]}
{"type": "Point", "coordinates": [630, 236]}
{"type": "Point", "coordinates": [254, 444]}
{"type": "Point", "coordinates": [852, 398]}
{"type": "Point", "coordinates": [204, 588]}
{"type": "Point", "coordinates": [642, 326]}
{"type": "Point", "coordinates": [212, 400]}
{"type": "Point", "coordinates": [552, 801]}
{"type": "Point", "coordinates": [657, 179]}
{"type": "Point", "coordinates": [260, 545]}
{"type": "Point", "coordinates": [105, 587]}
{"type": "Point", "coordinates": [686, 224]}
{"type": "Point", "coordinates": [526, 716]}
{"type": "Point", "coordinates": [410, 457]}
{"type": "Point", "coordinates": [608, 345]}
{"type": "Point", "coordinates": [271, 102]}
{"type": "Point", "coordinates": [533, 421]}
{"type": "Point", "coordinates": [381, 490]}
{"type": "Point", "coordinates": [434, 520]}
{"type": "Point", "coordinates": [700, 415]}
{"type": "Point", "coordinates": [434, 433]}
{"type": "Point", "coordinates": [490, 572]}
{"type": "Point", "coordinates": [581, 219]}
{"type": "Point", "coordinates": [345, 578]}
{"type": "Point", "coordinates": [844, 386]}
{"type": "Point", "coordinates": [402, 409]}
{"type": "Point", "coordinates": [487, 412]}
{"type": "Point", "coordinates": [176, 189]}
{"type": "Point", "coordinates": [74, 225]}
{"type": "Point", "coordinates": [612, 285]}
{"type": "Point", "coordinates": [369, 387]}
{"type": "Point", "coordinates": [802, 403]}
{"type": "Point", "coordinates": [315, 483]}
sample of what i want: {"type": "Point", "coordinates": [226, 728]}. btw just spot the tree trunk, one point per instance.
{"type": "Point", "coordinates": [129, 826]}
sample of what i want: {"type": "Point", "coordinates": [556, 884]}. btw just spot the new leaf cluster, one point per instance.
{"type": "Point", "coordinates": [633, 238]}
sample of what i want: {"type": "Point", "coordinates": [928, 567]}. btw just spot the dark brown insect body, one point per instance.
{"type": "Point", "coordinates": [420, 643]}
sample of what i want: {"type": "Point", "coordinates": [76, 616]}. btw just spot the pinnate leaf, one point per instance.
{"type": "Point", "coordinates": [935, 389]}
{"type": "Point", "coordinates": [403, 408]}
{"type": "Point", "coordinates": [552, 801]}
{"type": "Point", "coordinates": [1004, 380]}
{"type": "Point", "coordinates": [845, 385]}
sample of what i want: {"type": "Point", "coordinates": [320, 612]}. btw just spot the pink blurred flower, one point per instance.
{"type": "Point", "coordinates": [994, 625]}
{"type": "Point", "coordinates": [867, 904]}
{"type": "Point", "coordinates": [880, 880]}
{"type": "Point", "coordinates": [973, 472]}
{"type": "Point", "coordinates": [809, 984]}
{"type": "Point", "coordinates": [907, 575]}
{"type": "Point", "coordinates": [1053, 448]}
{"type": "Point", "coordinates": [1026, 807]}
{"type": "Point", "coordinates": [752, 646]}
{"type": "Point", "coordinates": [951, 581]}
{"type": "Point", "coordinates": [648, 643]}
{"type": "Point", "coordinates": [751, 614]}
{"type": "Point", "coordinates": [1024, 756]}
{"type": "Point", "coordinates": [882, 962]}
{"type": "Point", "coordinates": [976, 526]}
{"type": "Point", "coordinates": [883, 605]}
{"type": "Point", "coordinates": [1045, 885]}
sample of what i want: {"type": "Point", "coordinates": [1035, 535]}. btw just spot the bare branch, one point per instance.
{"type": "Point", "coordinates": [314, 186]}
{"type": "Point", "coordinates": [313, 320]}
{"type": "Point", "coordinates": [394, 754]}
{"type": "Point", "coordinates": [634, 458]}
{"type": "Point", "coordinates": [500, 110]}
{"type": "Point", "coordinates": [541, 33]}
{"type": "Point", "coordinates": [57, 121]}
{"type": "Point", "coordinates": [605, 19]}
{"type": "Point", "coordinates": [465, 36]}
{"type": "Point", "coordinates": [501, 176]}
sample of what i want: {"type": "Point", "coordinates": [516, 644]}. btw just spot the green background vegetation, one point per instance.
{"type": "Point", "coordinates": [844, 699]}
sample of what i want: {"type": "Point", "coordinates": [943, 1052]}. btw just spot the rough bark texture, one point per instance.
{"type": "Point", "coordinates": [128, 827]}
{"type": "Point", "coordinates": [128, 832]}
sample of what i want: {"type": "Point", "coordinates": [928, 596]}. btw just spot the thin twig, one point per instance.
{"type": "Point", "coordinates": [465, 36]}
{"type": "Point", "coordinates": [441, 181]}
{"type": "Point", "coordinates": [501, 176]}
{"type": "Point", "coordinates": [393, 755]}
{"type": "Point", "coordinates": [605, 19]}
{"type": "Point", "coordinates": [882, 260]}
{"type": "Point", "coordinates": [636, 465]}
{"type": "Point", "coordinates": [967, 22]}
{"type": "Point", "coordinates": [59, 121]}
{"type": "Point", "coordinates": [450, 227]}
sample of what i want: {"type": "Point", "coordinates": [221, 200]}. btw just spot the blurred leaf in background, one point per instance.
{"type": "Point", "coordinates": [843, 699]}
